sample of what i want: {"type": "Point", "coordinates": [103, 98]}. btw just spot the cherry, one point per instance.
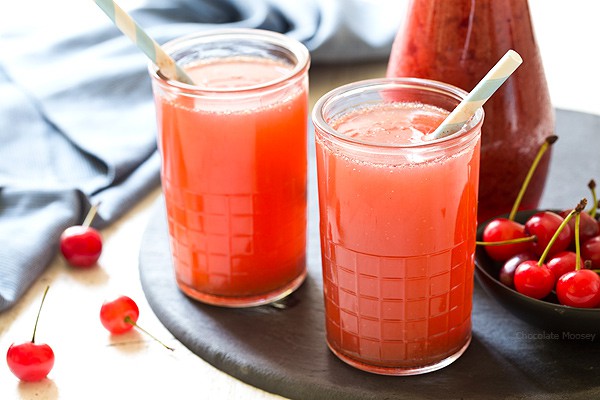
{"type": "Point", "coordinates": [588, 229]}
{"type": "Point", "coordinates": [563, 262]}
{"type": "Point", "coordinates": [507, 272]}
{"type": "Point", "coordinates": [505, 230]}
{"type": "Point", "coordinates": [120, 314]}
{"type": "Point", "coordinates": [81, 245]}
{"type": "Point", "coordinates": [543, 225]}
{"type": "Point", "coordinates": [590, 250]}
{"type": "Point", "coordinates": [534, 279]}
{"type": "Point", "coordinates": [580, 288]}
{"type": "Point", "coordinates": [31, 361]}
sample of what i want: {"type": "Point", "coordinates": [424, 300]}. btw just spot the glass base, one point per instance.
{"type": "Point", "coordinates": [245, 301]}
{"type": "Point", "coordinates": [401, 371]}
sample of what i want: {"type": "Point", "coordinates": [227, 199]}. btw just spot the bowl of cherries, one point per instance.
{"type": "Point", "coordinates": [544, 265]}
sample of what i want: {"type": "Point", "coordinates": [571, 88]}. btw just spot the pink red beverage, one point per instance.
{"type": "Point", "coordinates": [234, 166]}
{"type": "Point", "coordinates": [398, 215]}
{"type": "Point", "coordinates": [458, 41]}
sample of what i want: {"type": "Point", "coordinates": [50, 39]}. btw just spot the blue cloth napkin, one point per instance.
{"type": "Point", "coordinates": [76, 114]}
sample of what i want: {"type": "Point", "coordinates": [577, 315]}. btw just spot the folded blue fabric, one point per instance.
{"type": "Point", "coordinates": [77, 118]}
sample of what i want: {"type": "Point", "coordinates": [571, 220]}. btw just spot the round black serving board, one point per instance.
{"type": "Point", "coordinates": [283, 351]}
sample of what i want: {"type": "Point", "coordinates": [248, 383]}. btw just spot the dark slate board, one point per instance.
{"type": "Point", "coordinates": [283, 351]}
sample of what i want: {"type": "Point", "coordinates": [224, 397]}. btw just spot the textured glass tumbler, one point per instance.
{"type": "Point", "coordinates": [397, 226]}
{"type": "Point", "coordinates": [234, 165]}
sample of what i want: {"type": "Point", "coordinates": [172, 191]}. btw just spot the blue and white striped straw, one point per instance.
{"type": "Point", "coordinates": [479, 95]}
{"type": "Point", "coordinates": [133, 31]}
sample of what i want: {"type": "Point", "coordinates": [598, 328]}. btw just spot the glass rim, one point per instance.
{"type": "Point", "coordinates": [295, 47]}
{"type": "Point", "coordinates": [449, 90]}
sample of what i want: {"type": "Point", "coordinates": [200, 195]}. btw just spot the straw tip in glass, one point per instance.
{"type": "Point", "coordinates": [516, 57]}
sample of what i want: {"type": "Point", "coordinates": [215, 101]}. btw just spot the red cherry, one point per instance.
{"type": "Point", "coordinates": [563, 262]}
{"type": "Point", "coordinates": [590, 250]}
{"type": "Point", "coordinates": [543, 225]}
{"type": "Point", "coordinates": [507, 272]}
{"type": "Point", "coordinates": [119, 315]}
{"type": "Point", "coordinates": [30, 361]}
{"type": "Point", "coordinates": [533, 280]}
{"type": "Point", "coordinates": [588, 226]}
{"type": "Point", "coordinates": [81, 245]}
{"type": "Point", "coordinates": [499, 230]}
{"type": "Point", "coordinates": [579, 289]}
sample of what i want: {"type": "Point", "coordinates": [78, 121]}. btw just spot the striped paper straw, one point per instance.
{"type": "Point", "coordinates": [480, 94]}
{"type": "Point", "coordinates": [133, 31]}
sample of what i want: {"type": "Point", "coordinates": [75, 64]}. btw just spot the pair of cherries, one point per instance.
{"type": "Point", "coordinates": [31, 361]}
{"type": "Point", "coordinates": [81, 246]}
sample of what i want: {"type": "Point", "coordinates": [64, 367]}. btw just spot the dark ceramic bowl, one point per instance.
{"type": "Point", "coordinates": [545, 314]}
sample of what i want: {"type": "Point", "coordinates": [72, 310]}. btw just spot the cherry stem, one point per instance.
{"type": "Point", "coordinates": [38, 314]}
{"type": "Point", "coordinates": [90, 215]}
{"type": "Point", "coordinates": [132, 322]}
{"type": "Point", "coordinates": [547, 143]}
{"type": "Point", "coordinates": [577, 245]}
{"type": "Point", "coordinates": [526, 239]}
{"type": "Point", "coordinates": [592, 186]}
{"type": "Point", "coordinates": [587, 264]}
{"type": "Point", "coordinates": [580, 207]}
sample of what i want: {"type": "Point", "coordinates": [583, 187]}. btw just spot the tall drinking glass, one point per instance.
{"type": "Point", "coordinates": [234, 164]}
{"type": "Point", "coordinates": [398, 216]}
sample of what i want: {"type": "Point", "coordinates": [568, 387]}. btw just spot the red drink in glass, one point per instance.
{"type": "Point", "coordinates": [235, 166]}
{"type": "Point", "coordinates": [398, 223]}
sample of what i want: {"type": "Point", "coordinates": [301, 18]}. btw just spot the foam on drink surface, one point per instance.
{"type": "Point", "coordinates": [232, 75]}
{"type": "Point", "coordinates": [236, 72]}
{"type": "Point", "coordinates": [391, 123]}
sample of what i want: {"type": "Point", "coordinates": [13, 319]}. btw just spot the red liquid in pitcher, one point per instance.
{"type": "Point", "coordinates": [457, 42]}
